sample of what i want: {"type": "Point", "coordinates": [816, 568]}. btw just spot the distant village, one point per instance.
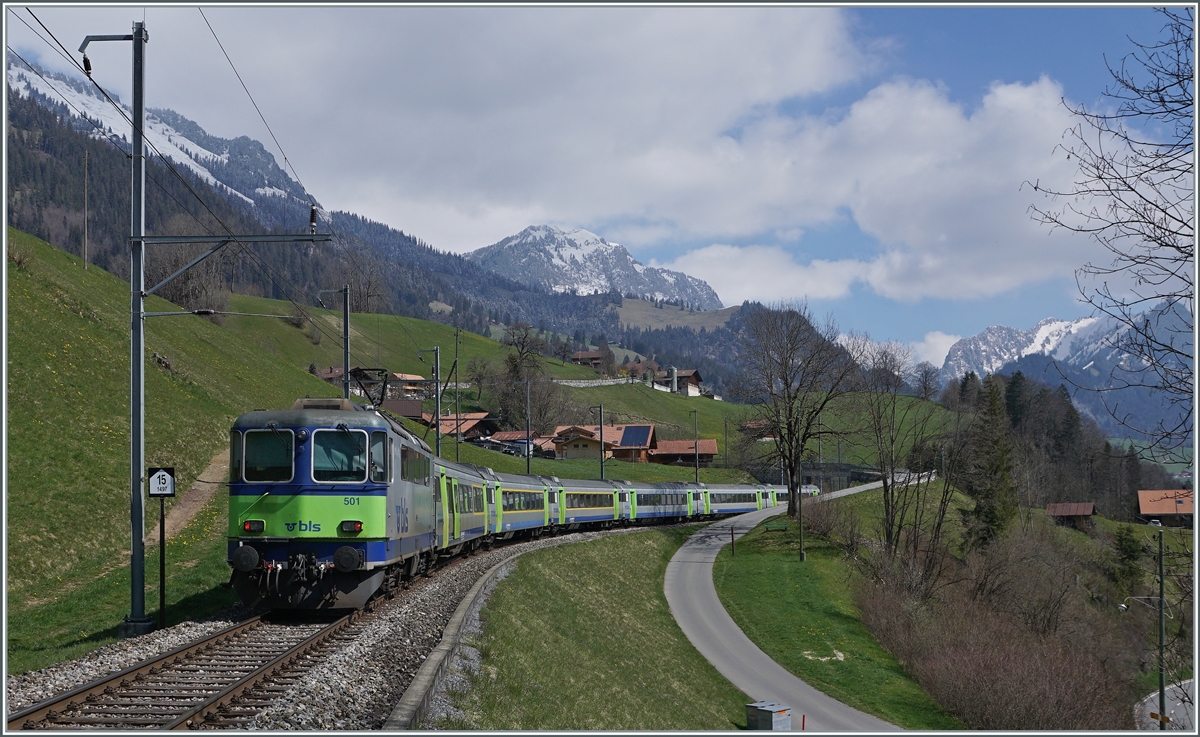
{"type": "Point", "coordinates": [404, 394]}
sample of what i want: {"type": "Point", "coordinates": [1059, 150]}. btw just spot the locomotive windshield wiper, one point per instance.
{"type": "Point", "coordinates": [357, 443]}
{"type": "Point", "coordinates": [275, 429]}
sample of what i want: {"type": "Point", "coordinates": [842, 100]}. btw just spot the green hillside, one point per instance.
{"type": "Point", "coordinates": [642, 314]}
{"type": "Point", "coordinates": [376, 341]}
{"type": "Point", "coordinates": [68, 442]}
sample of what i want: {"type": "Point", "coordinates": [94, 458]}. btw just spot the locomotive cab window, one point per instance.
{"type": "Point", "coordinates": [339, 455]}
{"type": "Point", "coordinates": [268, 455]}
{"type": "Point", "coordinates": [379, 458]}
{"type": "Point", "coordinates": [235, 456]}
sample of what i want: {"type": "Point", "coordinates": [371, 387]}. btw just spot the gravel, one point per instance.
{"type": "Point", "coordinates": [356, 687]}
{"type": "Point", "coordinates": [31, 687]}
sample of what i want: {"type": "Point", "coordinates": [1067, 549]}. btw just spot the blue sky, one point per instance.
{"type": "Point", "coordinates": [870, 160]}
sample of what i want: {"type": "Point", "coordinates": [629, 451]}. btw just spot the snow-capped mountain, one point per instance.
{"type": "Point", "coordinates": [1070, 341]}
{"type": "Point", "coordinates": [584, 263]}
{"type": "Point", "coordinates": [241, 168]}
{"type": "Point", "coordinates": [1084, 355]}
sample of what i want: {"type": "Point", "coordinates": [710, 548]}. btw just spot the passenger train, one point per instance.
{"type": "Point", "coordinates": [332, 503]}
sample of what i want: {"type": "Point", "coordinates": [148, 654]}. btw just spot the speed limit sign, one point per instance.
{"type": "Point", "coordinates": [162, 482]}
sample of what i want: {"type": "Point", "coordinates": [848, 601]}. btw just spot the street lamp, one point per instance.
{"type": "Point", "coordinates": [345, 292]}
{"type": "Point", "coordinates": [601, 408]}
{"type": "Point", "coordinates": [1162, 632]}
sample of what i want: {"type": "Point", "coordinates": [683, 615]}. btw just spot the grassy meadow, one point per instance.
{"type": "Point", "coordinates": [810, 626]}
{"type": "Point", "coordinates": [580, 637]}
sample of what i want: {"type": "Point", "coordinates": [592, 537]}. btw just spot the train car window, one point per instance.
{"type": "Point", "coordinates": [235, 456]}
{"type": "Point", "coordinates": [392, 460]}
{"type": "Point", "coordinates": [339, 455]}
{"type": "Point", "coordinates": [554, 497]}
{"type": "Point", "coordinates": [414, 466]}
{"type": "Point", "coordinates": [624, 496]}
{"type": "Point", "coordinates": [491, 495]}
{"type": "Point", "coordinates": [268, 455]}
{"type": "Point", "coordinates": [379, 458]}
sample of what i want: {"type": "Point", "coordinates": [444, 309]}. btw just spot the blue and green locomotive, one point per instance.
{"type": "Point", "coordinates": [332, 503]}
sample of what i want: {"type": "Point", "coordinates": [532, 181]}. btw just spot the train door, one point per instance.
{"type": "Point", "coordinates": [455, 511]}
{"type": "Point", "coordinates": [493, 501]}
{"type": "Point", "coordinates": [623, 494]}
{"type": "Point", "coordinates": [697, 506]}
{"type": "Point", "coordinates": [439, 506]}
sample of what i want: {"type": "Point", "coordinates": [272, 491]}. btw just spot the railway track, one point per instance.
{"type": "Point", "coordinates": [219, 682]}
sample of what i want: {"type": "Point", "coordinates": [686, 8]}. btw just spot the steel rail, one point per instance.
{"type": "Point", "coordinates": [195, 717]}
{"type": "Point", "coordinates": [37, 712]}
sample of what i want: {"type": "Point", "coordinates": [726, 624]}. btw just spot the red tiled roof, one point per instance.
{"type": "Point", "coordinates": [507, 436]}
{"type": "Point", "coordinates": [708, 446]}
{"type": "Point", "coordinates": [1071, 509]}
{"type": "Point", "coordinates": [1165, 501]}
{"type": "Point", "coordinates": [613, 434]}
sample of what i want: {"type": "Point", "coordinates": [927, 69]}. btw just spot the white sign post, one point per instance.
{"type": "Point", "coordinates": [162, 485]}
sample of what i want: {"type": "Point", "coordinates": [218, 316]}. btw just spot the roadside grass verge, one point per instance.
{"type": "Point", "coordinates": [580, 637]}
{"type": "Point", "coordinates": [804, 617]}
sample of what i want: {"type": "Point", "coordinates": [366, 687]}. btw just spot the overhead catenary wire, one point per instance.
{"type": "Point", "coordinates": [253, 259]}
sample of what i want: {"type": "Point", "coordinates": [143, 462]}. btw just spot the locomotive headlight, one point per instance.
{"type": "Point", "coordinates": [254, 525]}
{"type": "Point", "coordinates": [351, 525]}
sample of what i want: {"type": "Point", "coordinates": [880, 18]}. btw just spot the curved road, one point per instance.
{"type": "Point", "coordinates": [694, 604]}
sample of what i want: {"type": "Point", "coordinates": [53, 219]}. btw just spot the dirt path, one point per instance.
{"type": "Point", "coordinates": [212, 480]}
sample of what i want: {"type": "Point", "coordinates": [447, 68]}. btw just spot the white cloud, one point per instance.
{"type": "Point", "coordinates": [766, 274]}
{"type": "Point", "coordinates": [934, 347]}
{"type": "Point", "coordinates": [464, 125]}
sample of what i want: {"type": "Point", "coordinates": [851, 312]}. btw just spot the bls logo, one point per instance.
{"type": "Point", "coordinates": [309, 526]}
{"type": "Point", "coordinates": [402, 517]}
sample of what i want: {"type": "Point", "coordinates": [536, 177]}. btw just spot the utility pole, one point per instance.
{"type": "Point", "coordinates": [137, 623]}
{"type": "Point", "coordinates": [601, 408]}
{"type": "Point", "coordinates": [696, 442]}
{"type": "Point", "coordinates": [1162, 637]}
{"type": "Point", "coordinates": [528, 447]}
{"type": "Point", "coordinates": [457, 404]}
{"type": "Point", "coordinates": [726, 453]}
{"type": "Point", "coordinates": [85, 207]}
{"type": "Point", "coordinates": [437, 389]}
{"type": "Point", "coordinates": [345, 292]}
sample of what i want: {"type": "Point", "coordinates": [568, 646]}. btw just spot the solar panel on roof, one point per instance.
{"type": "Point", "coordinates": [635, 436]}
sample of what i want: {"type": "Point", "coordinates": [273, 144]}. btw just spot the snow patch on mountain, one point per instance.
{"type": "Point", "coordinates": [582, 262]}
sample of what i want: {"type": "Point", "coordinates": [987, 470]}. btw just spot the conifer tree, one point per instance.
{"type": "Point", "coordinates": [989, 480]}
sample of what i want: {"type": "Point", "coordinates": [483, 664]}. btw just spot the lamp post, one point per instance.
{"type": "Point", "coordinates": [1162, 632]}
{"type": "Point", "coordinates": [345, 292]}
{"type": "Point", "coordinates": [601, 408]}
{"type": "Point", "coordinates": [437, 390]}
{"type": "Point", "coordinates": [696, 441]}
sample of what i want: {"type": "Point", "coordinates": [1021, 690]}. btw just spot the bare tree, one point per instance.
{"type": "Point", "coordinates": [792, 371]}
{"type": "Point", "coordinates": [527, 345]}
{"type": "Point", "coordinates": [1135, 196]}
{"type": "Point", "coordinates": [927, 380]}
{"type": "Point", "coordinates": [200, 287]}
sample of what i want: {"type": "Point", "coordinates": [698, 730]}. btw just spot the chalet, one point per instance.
{"type": "Point", "coordinates": [472, 424]}
{"type": "Point", "coordinates": [541, 445]}
{"type": "Point", "coordinates": [681, 381]}
{"type": "Point", "coordinates": [684, 452]}
{"type": "Point", "coordinates": [1171, 507]}
{"type": "Point", "coordinates": [1075, 514]}
{"type": "Point", "coordinates": [631, 443]}
{"type": "Point", "coordinates": [587, 358]}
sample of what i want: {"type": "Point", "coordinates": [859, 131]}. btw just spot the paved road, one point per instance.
{"type": "Point", "coordinates": [694, 604]}
{"type": "Point", "coordinates": [1180, 708]}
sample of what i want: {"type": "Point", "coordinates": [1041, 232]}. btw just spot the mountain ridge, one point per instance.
{"type": "Point", "coordinates": [580, 262]}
